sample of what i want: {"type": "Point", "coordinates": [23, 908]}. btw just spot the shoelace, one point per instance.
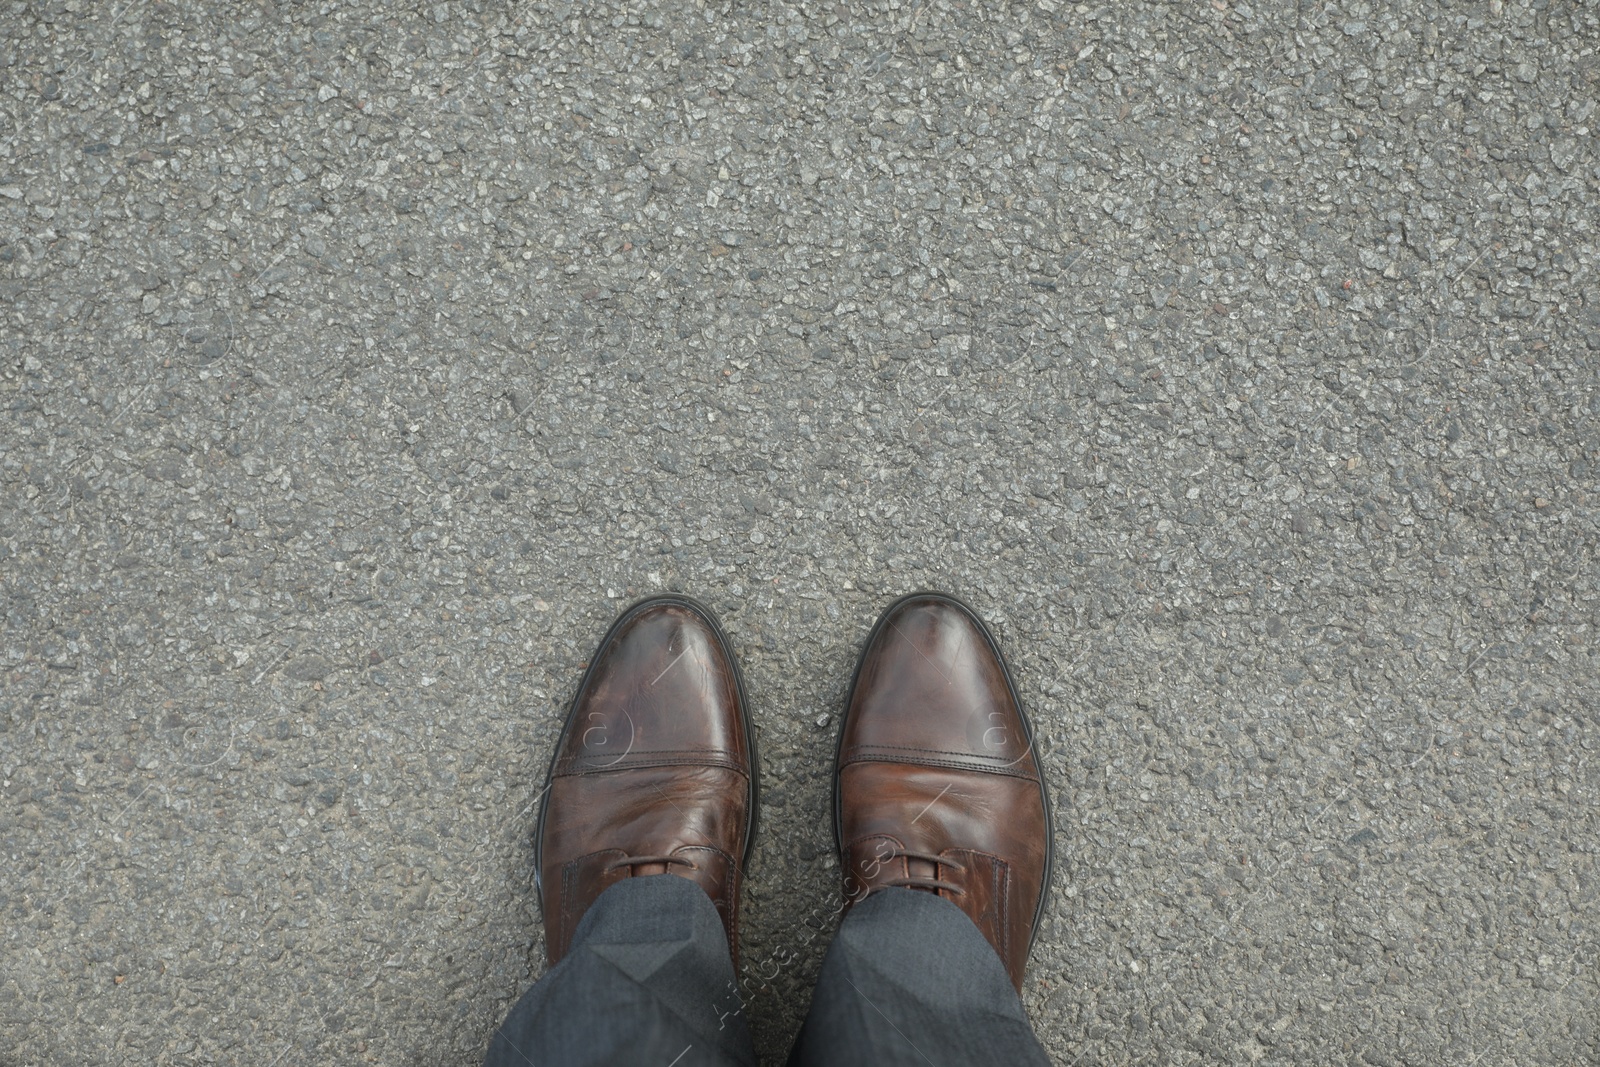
{"type": "Point", "coordinates": [639, 861]}
{"type": "Point", "coordinates": [924, 883]}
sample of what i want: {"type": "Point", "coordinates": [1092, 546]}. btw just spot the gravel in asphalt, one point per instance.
{"type": "Point", "coordinates": [1238, 362]}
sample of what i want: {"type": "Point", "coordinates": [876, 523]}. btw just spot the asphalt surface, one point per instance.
{"type": "Point", "coordinates": [1237, 362]}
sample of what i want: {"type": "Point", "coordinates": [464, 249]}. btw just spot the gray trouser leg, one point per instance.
{"type": "Point", "coordinates": [910, 980]}
{"type": "Point", "coordinates": [648, 981]}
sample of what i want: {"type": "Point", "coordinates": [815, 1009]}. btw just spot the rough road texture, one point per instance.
{"type": "Point", "coordinates": [1238, 363]}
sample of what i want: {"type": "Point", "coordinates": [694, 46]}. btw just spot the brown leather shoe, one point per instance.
{"type": "Point", "coordinates": [655, 772]}
{"type": "Point", "coordinates": [937, 787]}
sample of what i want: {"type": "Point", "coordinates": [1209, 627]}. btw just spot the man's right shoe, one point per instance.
{"type": "Point", "coordinates": [937, 787]}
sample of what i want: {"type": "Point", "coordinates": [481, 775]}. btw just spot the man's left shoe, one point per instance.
{"type": "Point", "coordinates": [655, 772]}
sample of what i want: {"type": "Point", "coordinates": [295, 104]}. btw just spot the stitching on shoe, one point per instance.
{"type": "Point", "coordinates": [927, 759]}
{"type": "Point", "coordinates": [730, 888]}
{"type": "Point", "coordinates": [647, 752]}
{"type": "Point", "coordinates": [1003, 880]}
{"type": "Point", "coordinates": [1000, 884]}
{"type": "Point", "coordinates": [925, 749]}
{"type": "Point", "coordinates": [921, 748]}
{"type": "Point", "coordinates": [569, 876]}
{"type": "Point", "coordinates": [578, 766]}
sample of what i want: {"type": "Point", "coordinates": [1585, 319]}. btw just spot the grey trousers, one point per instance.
{"type": "Point", "coordinates": [649, 981]}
